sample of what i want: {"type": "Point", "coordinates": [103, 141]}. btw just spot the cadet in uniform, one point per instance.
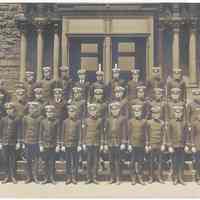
{"type": "Point", "coordinates": [64, 82]}
{"type": "Point", "coordinates": [155, 144]}
{"type": "Point", "coordinates": [177, 81]}
{"type": "Point", "coordinates": [9, 141]}
{"type": "Point", "coordinates": [49, 142]}
{"type": "Point", "coordinates": [29, 85]}
{"type": "Point", "coordinates": [136, 143]}
{"type": "Point", "coordinates": [30, 138]}
{"type": "Point", "coordinates": [92, 138]}
{"type": "Point", "coordinates": [2, 104]}
{"type": "Point", "coordinates": [177, 138]}
{"type": "Point", "coordinates": [115, 138]}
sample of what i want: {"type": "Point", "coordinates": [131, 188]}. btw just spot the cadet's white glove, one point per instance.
{"type": "Point", "coordinates": [79, 148]}
{"type": "Point", "coordinates": [105, 148]}
{"type": "Point", "coordinates": [57, 148]}
{"type": "Point", "coordinates": [101, 148]}
{"type": "Point", "coordinates": [23, 146]}
{"type": "Point", "coordinates": [122, 146]}
{"type": "Point", "coordinates": [84, 147]}
{"type": "Point", "coordinates": [41, 148]}
{"type": "Point", "coordinates": [17, 146]}
{"type": "Point", "coordinates": [69, 101]}
{"type": "Point", "coordinates": [194, 150]}
{"type": "Point", "coordinates": [146, 149]}
{"type": "Point", "coordinates": [171, 150]}
{"type": "Point", "coordinates": [162, 148]}
{"type": "Point", "coordinates": [186, 149]}
{"type": "Point", "coordinates": [189, 128]}
{"type": "Point", "coordinates": [63, 148]}
{"type": "Point", "coordinates": [1, 146]}
{"type": "Point", "coordinates": [130, 148]}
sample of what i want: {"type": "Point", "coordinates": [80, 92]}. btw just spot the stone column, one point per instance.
{"type": "Point", "coordinates": [65, 43]}
{"type": "Point", "coordinates": [56, 48]}
{"type": "Point", "coordinates": [193, 53]}
{"type": "Point", "coordinates": [175, 46]}
{"type": "Point", "coordinates": [107, 59]}
{"type": "Point", "coordinates": [23, 54]}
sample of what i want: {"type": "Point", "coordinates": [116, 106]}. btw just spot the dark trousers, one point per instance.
{"type": "Point", "coordinates": [71, 158]}
{"type": "Point", "coordinates": [137, 159]}
{"type": "Point", "coordinates": [9, 153]}
{"type": "Point", "coordinates": [197, 164]}
{"type": "Point", "coordinates": [48, 157]}
{"type": "Point", "coordinates": [92, 162]}
{"type": "Point", "coordinates": [178, 160]}
{"type": "Point", "coordinates": [155, 158]}
{"type": "Point", "coordinates": [115, 161]}
{"type": "Point", "coordinates": [32, 157]}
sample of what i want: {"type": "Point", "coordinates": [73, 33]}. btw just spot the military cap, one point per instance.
{"type": "Point", "coordinates": [20, 91]}
{"type": "Point", "coordinates": [76, 89]}
{"type": "Point", "coordinates": [136, 107]}
{"type": "Point", "coordinates": [29, 73]}
{"type": "Point", "coordinates": [57, 90]}
{"type": "Point", "coordinates": [119, 89]}
{"type": "Point", "coordinates": [178, 108]}
{"type": "Point", "coordinates": [38, 90]}
{"type": "Point", "coordinates": [9, 105]}
{"type": "Point", "coordinates": [175, 90]}
{"type": "Point", "coordinates": [116, 68]}
{"type": "Point", "coordinates": [98, 91]}
{"type": "Point", "coordinates": [81, 71]}
{"type": "Point", "coordinates": [196, 91]}
{"type": "Point", "coordinates": [46, 68]}
{"type": "Point", "coordinates": [141, 87]}
{"type": "Point", "coordinates": [177, 70]}
{"type": "Point", "coordinates": [155, 109]}
{"type": "Point", "coordinates": [135, 71]}
{"type": "Point", "coordinates": [49, 108]}
{"type": "Point", "coordinates": [64, 68]}
{"type": "Point", "coordinates": [72, 108]}
{"type": "Point", "coordinates": [92, 106]}
{"type": "Point", "coordinates": [156, 69]}
{"type": "Point", "coordinates": [33, 104]}
{"type": "Point", "coordinates": [20, 85]}
{"type": "Point", "coordinates": [114, 105]}
{"type": "Point", "coordinates": [99, 71]}
{"type": "Point", "coordinates": [158, 90]}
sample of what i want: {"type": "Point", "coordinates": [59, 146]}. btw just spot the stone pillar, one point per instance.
{"type": "Point", "coordinates": [65, 43]}
{"type": "Point", "coordinates": [23, 54]}
{"type": "Point", "coordinates": [193, 53]}
{"type": "Point", "coordinates": [107, 59]}
{"type": "Point", "coordinates": [175, 46]}
{"type": "Point", "coordinates": [56, 48]}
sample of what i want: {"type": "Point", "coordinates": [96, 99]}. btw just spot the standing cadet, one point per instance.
{"type": "Point", "coordinates": [177, 81]}
{"type": "Point", "coordinates": [9, 141]}
{"type": "Point", "coordinates": [64, 82]}
{"type": "Point", "coordinates": [99, 84]}
{"type": "Point", "coordinates": [49, 142]}
{"type": "Point", "coordinates": [47, 82]}
{"type": "Point", "coordinates": [92, 138]}
{"type": "Point", "coordinates": [116, 139]}
{"type": "Point", "coordinates": [30, 138]}
{"type": "Point", "coordinates": [70, 144]}
{"type": "Point", "coordinates": [195, 145]}
{"type": "Point", "coordinates": [155, 144]}
{"type": "Point", "coordinates": [155, 82]}
{"type": "Point", "coordinates": [176, 137]}
{"type": "Point", "coordinates": [136, 143]}
{"type": "Point", "coordinates": [29, 85]}
{"type": "Point", "coordinates": [133, 83]}
{"type": "Point", "coordinates": [83, 84]}
{"type": "Point", "coordinates": [2, 104]}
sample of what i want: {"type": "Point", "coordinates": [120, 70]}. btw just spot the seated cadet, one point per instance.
{"type": "Point", "coordinates": [9, 141]}
{"type": "Point", "coordinates": [70, 144]}
{"type": "Point", "coordinates": [30, 137]}
{"type": "Point", "coordinates": [116, 139]}
{"type": "Point", "coordinates": [176, 137]}
{"type": "Point", "coordinates": [155, 144]}
{"type": "Point", "coordinates": [92, 139]}
{"type": "Point", "coordinates": [136, 143]}
{"type": "Point", "coordinates": [49, 142]}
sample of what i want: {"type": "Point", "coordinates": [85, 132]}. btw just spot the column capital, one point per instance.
{"type": "Point", "coordinates": [40, 23]}
{"type": "Point", "coordinates": [56, 28]}
{"type": "Point", "coordinates": [175, 26]}
{"type": "Point", "coordinates": [161, 25]}
{"type": "Point", "coordinates": [193, 23]}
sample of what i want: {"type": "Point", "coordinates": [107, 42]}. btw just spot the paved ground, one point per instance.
{"type": "Point", "coordinates": [103, 190]}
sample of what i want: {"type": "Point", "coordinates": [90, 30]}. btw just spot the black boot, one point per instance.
{"type": "Point", "coordinates": [118, 182]}
{"type": "Point", "coordinates": [133, 179]}
{"type": "Point", "coordinates": [68, 180]}
{"type": "Point", "coordinates": [160, 179]}
{"type": "Point", "coordinates": [6, 180]}
{"type": "Point", "coordinates": [14, 180]}
{"type": "Point", "coordinates": [140, 180]}
{"type": "Point", "coordinates": [180, 178]}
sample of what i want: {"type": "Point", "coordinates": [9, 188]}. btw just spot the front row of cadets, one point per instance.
{"type": "Point", "coordinates": [45, 134]}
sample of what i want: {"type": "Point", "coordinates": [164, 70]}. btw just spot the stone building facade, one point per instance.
{"type": "Point", "coordinates": [86, 35]}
